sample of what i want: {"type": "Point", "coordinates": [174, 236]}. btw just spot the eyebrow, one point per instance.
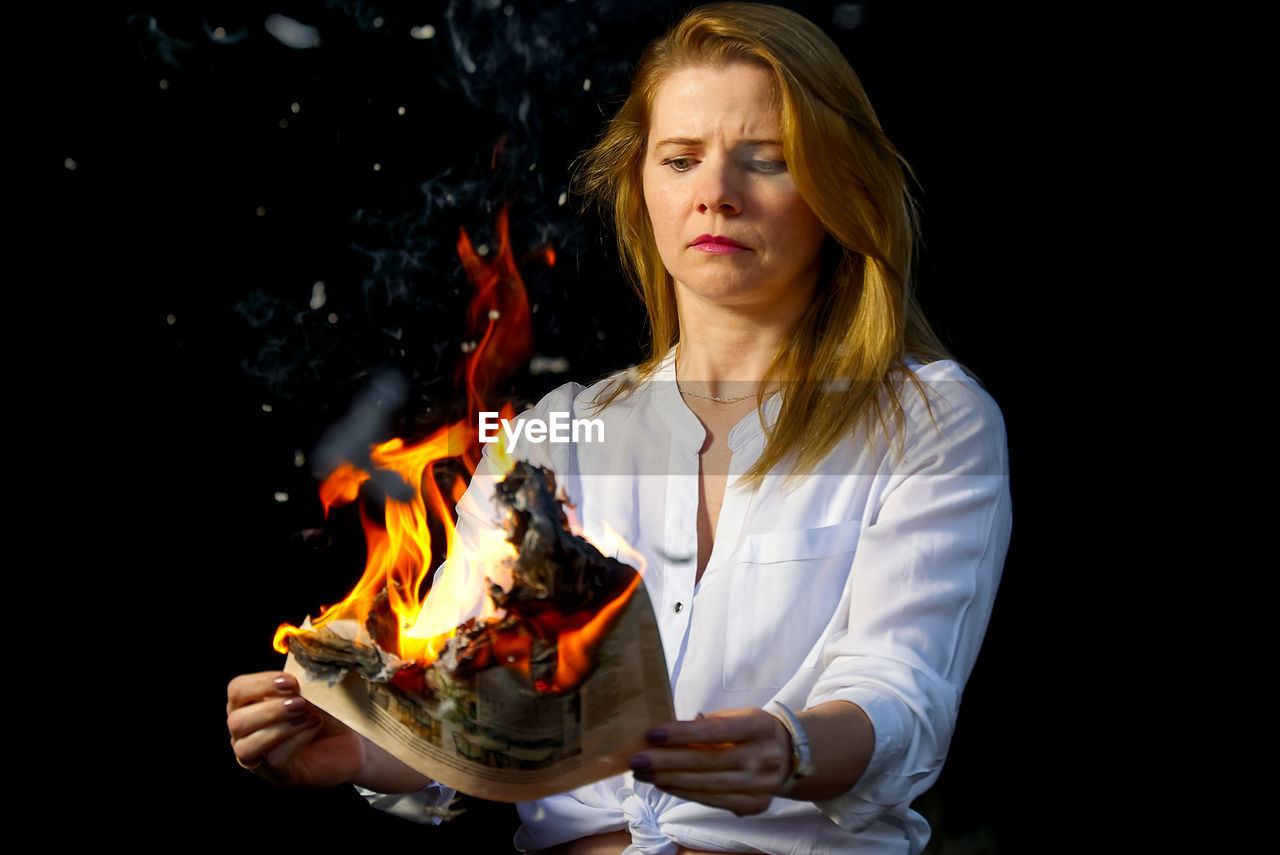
{"type": "Point", "coordinates": [689, 141]}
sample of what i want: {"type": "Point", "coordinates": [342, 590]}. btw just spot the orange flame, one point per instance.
{"type": "Point", "coordinates": [499, 298]}
{"type": "Point", "coordinates": [399, 558]}
{"type": "Point", "coordinates": [576, 648]}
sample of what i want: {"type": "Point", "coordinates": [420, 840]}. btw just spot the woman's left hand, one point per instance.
{"type": "Point", "coordinates": [731, 759]}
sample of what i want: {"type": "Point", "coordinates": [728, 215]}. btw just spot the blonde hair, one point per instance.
{"type": "Point", "coordinates": [845, 359]}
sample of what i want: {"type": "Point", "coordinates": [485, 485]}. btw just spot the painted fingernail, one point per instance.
{"type": "Point", "coordinates": [295, 704]}
{"type": "Point", "coordinates": [639, 763]}
{"type": "Point", "coordinates": [285, 683]}
{"type": "Point", "coordinates": [647, 777]}
{"type": "Point", "coordinates": [656, 735]}
{"type": "Point", "coordinates": [300, 721]}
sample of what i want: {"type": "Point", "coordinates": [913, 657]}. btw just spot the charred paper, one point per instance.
{"type": "Point", "coordinates": [509, 710]}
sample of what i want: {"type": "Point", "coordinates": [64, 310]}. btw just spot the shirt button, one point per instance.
{"type": "Point", "coordinates": [679, 607]}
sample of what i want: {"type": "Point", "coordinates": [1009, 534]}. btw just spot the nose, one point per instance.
{"type": "Point", "coordinates": [717, 190]}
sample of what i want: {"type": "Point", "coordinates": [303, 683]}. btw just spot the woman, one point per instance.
{"type": "Point", "coordinates": [820, 494]}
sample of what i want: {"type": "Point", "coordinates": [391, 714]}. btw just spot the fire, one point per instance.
{"type": "Point", "coordinates": [577, 647]}
{"type": "Point", "coordinates": [399, 545]}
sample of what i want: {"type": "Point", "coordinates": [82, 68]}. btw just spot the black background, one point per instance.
{"type": "Point", "coordinates": [197, 371]}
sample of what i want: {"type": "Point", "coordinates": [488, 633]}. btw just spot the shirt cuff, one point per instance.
{"type": "Point", "coordinates": [428, 806]}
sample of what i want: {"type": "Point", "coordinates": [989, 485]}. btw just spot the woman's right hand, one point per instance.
{"type": "Point", "coordinates": [276, 734]}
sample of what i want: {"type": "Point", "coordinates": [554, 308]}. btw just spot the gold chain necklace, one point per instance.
{"type": "Point", "coordinates": [716, 398]}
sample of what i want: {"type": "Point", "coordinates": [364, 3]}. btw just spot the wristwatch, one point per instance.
{"type": "Point", "coordinates": [801, 758]}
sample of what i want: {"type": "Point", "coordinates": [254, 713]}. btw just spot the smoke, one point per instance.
{"type": "Point", "coordinates": [366, 16]}
{"type": "Point", "coordinates": [156, 42]}
{"type": "Point", "coordinates": [428, 119]}
{"type": "Point", "coordinates": [536, 79]}
{"type": "Point", "coordinates": [368, 422]}
{"type": "Point", "coordinates": [846, 16]}
{"type": "Point", "coordinates": [388, 128]}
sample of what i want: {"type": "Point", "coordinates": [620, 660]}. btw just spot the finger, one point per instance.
{"type": "Point", "coordinates": [755, 769]}
{"type": "Point", "coordinates": [716, 729]}
{"type": "Point", "coordinates": [250, 688]}
{"type": "Point", "coordinates": [257, 745]}
{"type": "Point", "coordinates": [749, 757]}
{"type": "Point", "coordinates": [283, 754]}
{"type": "Point", "coordinates": [243, 721]}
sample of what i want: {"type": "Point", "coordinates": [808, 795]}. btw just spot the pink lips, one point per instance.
{"type": "Point", "coordinates": [717, 244]}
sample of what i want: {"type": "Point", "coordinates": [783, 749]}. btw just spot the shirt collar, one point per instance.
{"type": "Point", "coordinates": [751, 427]}
{"type": "Point", "coordinates": [687, 430]}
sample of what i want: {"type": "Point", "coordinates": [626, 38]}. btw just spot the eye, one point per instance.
{"type": "Point", "coordinates": [766, 166]}
{"type": "Point", "coordinates": [679, 164]}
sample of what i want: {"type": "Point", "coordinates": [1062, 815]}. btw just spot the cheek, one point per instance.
{"type": "Point", "coordinates": [666, 226]}
{"type": "Point", "coordinates": [659, 208]}
{"type": "Point", "coordinates": [806, 229]}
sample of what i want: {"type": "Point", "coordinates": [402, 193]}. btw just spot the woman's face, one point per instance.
{"type": "Point", "coordinates": [730, 225]}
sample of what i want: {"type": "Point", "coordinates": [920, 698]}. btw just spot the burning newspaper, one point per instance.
{"type": "Point", "coordinates": [553, 691]}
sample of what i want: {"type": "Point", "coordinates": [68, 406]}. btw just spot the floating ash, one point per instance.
{"type": "Point", "coordinates": [295, 34]}
{"type": "Point", "coordinates": [548, 365]}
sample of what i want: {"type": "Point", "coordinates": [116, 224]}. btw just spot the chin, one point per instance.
{"type": "Point", "coordinates": [736, 294]}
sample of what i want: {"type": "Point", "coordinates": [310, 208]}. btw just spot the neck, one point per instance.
{"type": "Point", "coordinates": [728, 353]}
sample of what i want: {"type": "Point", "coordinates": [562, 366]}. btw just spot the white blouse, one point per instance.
{"type": "Point", "coordinates": [869, 580]}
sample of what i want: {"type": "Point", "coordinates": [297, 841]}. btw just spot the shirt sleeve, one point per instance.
{"type": "Point", "coordinates": [428, 806]}
{"type": "Point", "coordinates": [922, 585]}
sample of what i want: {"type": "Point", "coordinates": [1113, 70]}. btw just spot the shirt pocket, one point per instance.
{"type": "Point", "coordinates": [786, 587]}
